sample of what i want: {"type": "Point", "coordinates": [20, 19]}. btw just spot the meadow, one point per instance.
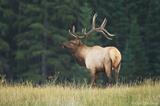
{"type": "Point", "coordinates": [145, 94]}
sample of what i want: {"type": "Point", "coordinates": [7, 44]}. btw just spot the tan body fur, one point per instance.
{"type": "Point", "coordinates": [96, 58]}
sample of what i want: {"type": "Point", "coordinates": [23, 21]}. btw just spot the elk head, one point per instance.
{"type": "Point", "coordinates": [73, 45]}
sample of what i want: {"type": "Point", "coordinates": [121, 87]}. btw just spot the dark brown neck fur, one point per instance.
{"type": "Point", "coordinates": [79, 54]}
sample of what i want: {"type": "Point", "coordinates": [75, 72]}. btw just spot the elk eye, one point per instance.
{"type": "Point", "coordinates": [72, 43]}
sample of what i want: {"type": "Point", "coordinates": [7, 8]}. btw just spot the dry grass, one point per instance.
{"type": "Point", "coordinates": [147, 94]}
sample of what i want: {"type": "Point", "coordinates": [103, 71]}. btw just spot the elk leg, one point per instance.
{"type": "Point", "coordinates": [109, 79]}
{"type": "Point", "coordinates": [116, 77]}
{"type": "Point", "coordinates": [117, 73]}
{"type": "Point", "coordinates": [93, 79]}
{"type": "Point", "coordinates": [108, 73]}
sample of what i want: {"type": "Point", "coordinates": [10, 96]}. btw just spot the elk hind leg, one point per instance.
{"type": "Point", "coordinates": [108, 72]}
{"type": "Point", "coordinates": [117, 73]}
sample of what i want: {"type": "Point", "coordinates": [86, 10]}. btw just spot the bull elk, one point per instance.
{"type": "Point", "coordinates": [95, 58]}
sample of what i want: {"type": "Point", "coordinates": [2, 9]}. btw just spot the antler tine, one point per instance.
{"type": "Point", "coordinates": [83, 30]}
{"type": "Point", "coordinates": [73, 29]}
{"type": "Point", "coordinates": [105, 35]}
{"type": "Point", "coordinates": [103, 23]}
{"type": "Point", "coordinates": [107, 32]}
{"type": "Point", "coordinates": [93, 20]}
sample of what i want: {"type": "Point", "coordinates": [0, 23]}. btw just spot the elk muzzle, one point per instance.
{"type": "Point", "coordinates": [63, 45]}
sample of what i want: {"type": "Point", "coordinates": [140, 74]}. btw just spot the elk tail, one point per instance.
{"type": "Point", "coordinates": [118, 67]}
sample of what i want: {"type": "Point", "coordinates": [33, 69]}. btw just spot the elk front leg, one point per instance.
{"type": "Point", "coordinates": [109, 78]}
{"type": "Point", "coordinates": [93, 79]}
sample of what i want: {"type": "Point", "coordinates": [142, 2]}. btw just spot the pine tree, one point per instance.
{"type": "Point", "coordinates": [135, 61]}
{"type": "Point", "coordinates": [33, 39]}
{"type": "Point", "coordinates": [152, 38]}
{"type": "Point", "coordinates": [6, 18]}
{"type": "Point", "coordinates": [128, 66]}
{"type": "Point", "coordinates": [4, 49]}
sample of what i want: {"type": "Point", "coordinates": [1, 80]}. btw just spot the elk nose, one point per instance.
{"type": "Point", "coordinates": [63, 45]}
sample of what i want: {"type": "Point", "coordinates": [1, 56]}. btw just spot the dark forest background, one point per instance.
{"type": "Point", "coordinates": [32, 31]}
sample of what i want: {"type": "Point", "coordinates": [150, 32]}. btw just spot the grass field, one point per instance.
{"type": "Point", "coordinates": [147, 94]}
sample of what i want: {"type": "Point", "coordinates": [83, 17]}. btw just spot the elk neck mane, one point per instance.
{"type": "Point", "coordinates": [80, 54]}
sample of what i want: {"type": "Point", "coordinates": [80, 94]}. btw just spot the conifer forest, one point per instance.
{"type": "Point", "coordinates": [32, 32]}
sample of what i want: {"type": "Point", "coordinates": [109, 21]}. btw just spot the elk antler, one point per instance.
{"type": "Point", "coordinates": [73, 30]}
{"type": "Point", "coordinates": [99, 29]}
{"type": "Point", "coordinates": [75, 35]}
